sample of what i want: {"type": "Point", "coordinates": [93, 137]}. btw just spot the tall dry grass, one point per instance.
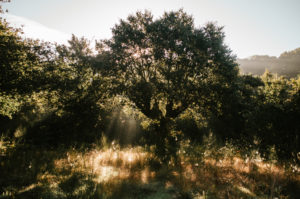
{"type": "Point", "coordinates": [134, 172]}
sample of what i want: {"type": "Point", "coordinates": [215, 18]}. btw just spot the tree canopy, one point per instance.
{"type": "Point", "coordinates": [166, 65]}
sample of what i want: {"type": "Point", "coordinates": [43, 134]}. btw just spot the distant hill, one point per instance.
{"type": "Point", "coordinates": [287, 64]}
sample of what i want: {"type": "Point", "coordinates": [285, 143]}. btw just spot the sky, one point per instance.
{"type": "Point", "coordinates": [252, 27]}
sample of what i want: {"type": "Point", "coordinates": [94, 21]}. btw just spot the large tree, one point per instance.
{"type": "Point", "coordinates": [166, 65]}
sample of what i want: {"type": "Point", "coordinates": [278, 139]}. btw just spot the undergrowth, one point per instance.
{"type": "Point", "coordinates": [108, 171]}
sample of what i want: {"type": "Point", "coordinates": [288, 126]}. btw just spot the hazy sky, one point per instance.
{"type": "Point", "coordinates": [251, 26]}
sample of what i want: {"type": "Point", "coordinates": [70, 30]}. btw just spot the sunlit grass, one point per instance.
{"type": "Point", "coordinates": [106, 165]}
{"type": "Point", "coordinates": [132, 172]}
{"type": "Point", "coordinates": [114, 165]}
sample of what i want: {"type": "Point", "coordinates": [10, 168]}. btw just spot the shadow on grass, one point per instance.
{"type": "Point", "coordinates": [81, 186]}
{"type": "Point", "coordinates": [133, 173]}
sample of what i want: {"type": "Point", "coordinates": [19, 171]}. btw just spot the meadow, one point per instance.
{"type": "Point", "coordinates": [107, 171]}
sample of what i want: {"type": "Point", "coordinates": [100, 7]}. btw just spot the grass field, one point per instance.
{"type": "Point", "coordinates": [134, 172]}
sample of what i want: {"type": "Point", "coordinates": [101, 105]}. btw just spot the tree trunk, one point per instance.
{"type": "Point", "coordinates": [166, 146]}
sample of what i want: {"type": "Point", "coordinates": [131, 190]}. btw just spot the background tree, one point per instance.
{"type": "Point", "coordinates": [276, 121]}
{"type": "Point", "coordinates": [22, 66]}
{"type": "Point", "coordinates": [78, 98]}
{"type": "Point", "coordinates": [237, 106]}
{"type": "Point", "coordinates": [47, 91]}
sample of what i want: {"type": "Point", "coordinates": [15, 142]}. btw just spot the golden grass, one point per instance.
{"type": "Point", "coordinates": [110, 167]}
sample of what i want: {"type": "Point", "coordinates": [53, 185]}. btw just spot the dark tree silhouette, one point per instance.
{"type": "Point", "coordinates": [167, 65]}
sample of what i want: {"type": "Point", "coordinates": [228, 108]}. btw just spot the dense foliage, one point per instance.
{"type": "Point", "coordinates": [161, 81]}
